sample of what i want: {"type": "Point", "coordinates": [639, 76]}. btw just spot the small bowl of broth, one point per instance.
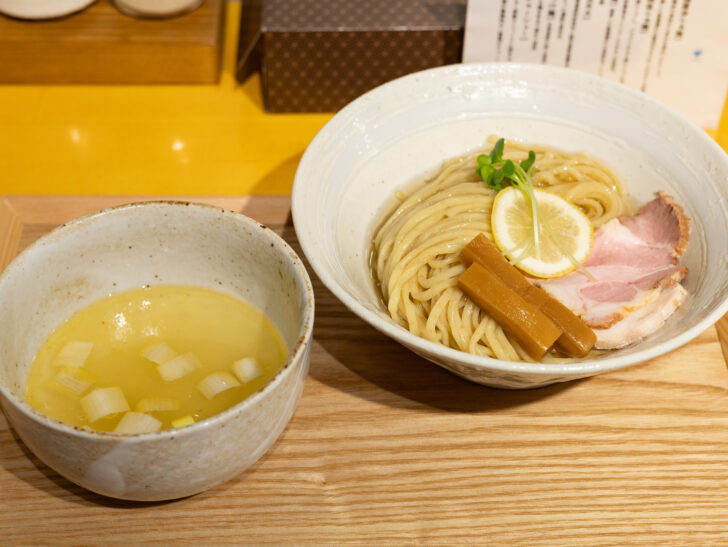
{"type": "Point", "coordinates": [152, 351]}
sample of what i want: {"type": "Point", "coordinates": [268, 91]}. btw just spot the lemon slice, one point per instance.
{"type": "Point", "coordinates": [512, 224]}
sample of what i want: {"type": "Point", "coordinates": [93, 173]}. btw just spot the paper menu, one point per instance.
{"type": "Point", "coordinates": [674, 50]}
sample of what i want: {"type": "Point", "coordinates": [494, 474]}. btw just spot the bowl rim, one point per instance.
{"type": "Point", "coordinates": [295, 355]}
{"type": "Point", "coordinates": [577, 368]}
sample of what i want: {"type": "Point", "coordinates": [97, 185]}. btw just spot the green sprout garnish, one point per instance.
{"type": "Point", "coordinates": [494, 170]}
{"type": "Point", "coordinates": [497, 172]}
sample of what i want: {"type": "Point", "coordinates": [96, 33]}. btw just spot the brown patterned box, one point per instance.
{"type": "Point", "coordinates": [318, 55]}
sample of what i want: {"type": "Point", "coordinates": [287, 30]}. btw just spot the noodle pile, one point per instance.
{"type": "Point", "coordinates": [416, 251]}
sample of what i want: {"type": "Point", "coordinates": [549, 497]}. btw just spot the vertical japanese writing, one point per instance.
{"type": "Point", "coordinates": [653, 42]}
{"type": "Point", "coordinates": [550, 17]}
{"type": "Point", "coordinates": [666, 38]}
{"type": "Point", "coordinates": [570, 44]}
{"type": "Point", "coordinates": [620, 33]}
{"type": "Point", "coordinates": [537, 30]}
{"type": "Point", "coordinates": [607, 32]}
{"type": "Point", "coordinates": [628, 48]}
{"type": "Point", "coordinates": [588, 9]}
{"type": "Point", "coordinates": [683, 15]}
{"type": "Point", "coordinates": [562, 19]}
{"type": "Point", "coordinates": [501, 25]}
{"type": "Point", "coordinates": [526, 25]}
{"type": "Point", "coordinates": [546, 42]}
{"type": "Point", "coordinates": [657, 46]}
{"type": "Point", "coordinates": [648, 13]}
{"type": "Point", "coordinates": [514, 17]}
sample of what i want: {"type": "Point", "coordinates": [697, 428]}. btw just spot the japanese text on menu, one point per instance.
{"type": "Point", "coordinates": [675, 50]}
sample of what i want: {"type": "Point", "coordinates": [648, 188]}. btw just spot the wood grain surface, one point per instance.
{"type": "Point", "coordinates": [388, 448]}
{"type": "Point", "coordinates": [101, 45]}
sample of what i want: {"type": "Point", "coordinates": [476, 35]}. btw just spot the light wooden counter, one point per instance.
{"type": "Point", "coordinates": [386, 447]}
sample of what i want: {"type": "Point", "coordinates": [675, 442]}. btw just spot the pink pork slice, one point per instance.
{"type": "Point", "coordinates": [637, 277]}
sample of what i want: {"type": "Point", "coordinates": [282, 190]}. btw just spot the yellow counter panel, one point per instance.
{"type": "Point", "coordinates": [181, 139]}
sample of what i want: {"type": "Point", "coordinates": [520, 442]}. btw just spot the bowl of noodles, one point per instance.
{"type": "Point", "coordinates": [387, 196]}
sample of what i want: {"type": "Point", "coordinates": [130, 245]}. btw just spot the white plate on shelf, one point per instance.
{"type": "Point", "coordinates": [42, 9]}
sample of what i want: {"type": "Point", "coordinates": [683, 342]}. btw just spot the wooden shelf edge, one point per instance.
{"type": "Point", "coordinates": [11, 228]}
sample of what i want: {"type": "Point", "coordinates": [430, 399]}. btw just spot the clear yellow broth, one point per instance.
{"type": "Point", "coordinates": [217, 328]}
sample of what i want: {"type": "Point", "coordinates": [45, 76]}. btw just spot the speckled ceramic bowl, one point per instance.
{"type": "Point", "coordinates": [402, 131]}
{"type": "Point", "coordinates": [127, 247]}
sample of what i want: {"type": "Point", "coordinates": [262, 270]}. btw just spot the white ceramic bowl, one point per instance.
{"type": "Point", "coordinates": [403, 130]}
{"type": "Point", "coordinates": [156, 9]}
{"type": "Point", "coordinates": [42, 9]}
{"type": "Point", "coordinates": [127, 247]}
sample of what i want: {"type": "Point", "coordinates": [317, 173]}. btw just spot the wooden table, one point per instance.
{"type": "Point", "coordinates": [386, 447]}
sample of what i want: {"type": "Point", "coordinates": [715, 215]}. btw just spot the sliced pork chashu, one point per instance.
{"type": "Point", "coordinates": [637, 276]}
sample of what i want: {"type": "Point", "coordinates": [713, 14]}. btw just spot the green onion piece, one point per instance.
{"type": "Point", "coordinates": [178, 367]}
{"type": "Point", "coordinates": [72, 380]}
{"type": "Point", "coordinates": [157, 404]}
{"type": "Point", "coordinates": [104, 402]}
{"type": "Point", "coordinates": [159, 353]}
{"type": "Point", "coordinates": [217, 382]}
{"type": "Point", "coordinates": [183, 421]}
{"type": "Point", "coordinates": [137, 422]}
{"type": "Point", "coordinates": [247, 369]}
{"type": "Point", "coordinates": [74, 354]}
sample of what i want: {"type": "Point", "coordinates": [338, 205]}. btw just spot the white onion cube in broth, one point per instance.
{"type": "Point", "coordinates": [217, 382]}
{"type": "Point", "coordinates": [159, 352]}
{"type": "Point", "coordinates": [104, 402]}
{"type": "Point", "coordinates": [247, 369]}
{"type": "Point", "coordinates": [178, 367]}
{"type": "Point", "coordinates": [72, 380]}
{"type": "Point", "coordinates": [74, 354]}
{"type": "Point", "coordinates": [157, 404]}
{"type": "Point", "coordinates": [183, 421]}
{"type": "Point", "coordinates": [137, 422]}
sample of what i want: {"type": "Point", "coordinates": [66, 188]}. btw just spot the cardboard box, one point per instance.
{"type": "Point", "coordinates": [318, 55]}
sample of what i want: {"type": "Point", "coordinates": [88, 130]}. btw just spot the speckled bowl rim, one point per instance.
{"type": "Point", "coordinates": [295, 356]}
{"type": "Point", "coordinates": [574, 369]}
